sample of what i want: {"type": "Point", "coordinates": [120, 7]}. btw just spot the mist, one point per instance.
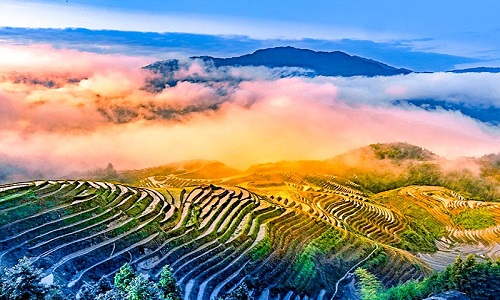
{"type": "Point", "coordinates": [63, 111]}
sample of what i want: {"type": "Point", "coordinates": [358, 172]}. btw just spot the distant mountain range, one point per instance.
{"type": "Point", "coordinates": [334, 63]}
{"type": "Point", "coordinates": [319, 63]}
{"type": "Point", "coordinates": [290, 61]}
{"type": "Point", "coordinates": [477, 70]}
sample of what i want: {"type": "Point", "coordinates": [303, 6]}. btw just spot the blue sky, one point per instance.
{"type": "Point", "coordinates": [415, 34]}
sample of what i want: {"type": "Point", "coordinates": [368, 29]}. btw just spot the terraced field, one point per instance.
{"type": "Point", "coordinates": [287, 235]}
{"type": "Point", "coordinates": [445, 204]}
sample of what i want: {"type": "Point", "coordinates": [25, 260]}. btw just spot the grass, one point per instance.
{"type": "Point", "coordinates": [304, 265]}
{"type": "Point", "coordinates": [422, 228]}
{"type": "Point", "coordinates": [417, 239]}
{"type": "Point", "coordinates": [480, 218]}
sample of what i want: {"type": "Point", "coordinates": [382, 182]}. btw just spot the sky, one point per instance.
{"type": "Point", "coordinates": [74, 96]}
{"type": "Point", "coordinates": [456, 28]}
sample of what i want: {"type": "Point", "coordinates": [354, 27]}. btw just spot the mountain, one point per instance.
{"type": "Point", "coordinates": [315, 63]}
{"type": "Point", "coordinates": [374, 168]}
{"type": "Point", "coordinates": [289, 60]}
{"type": "Point", "coordinates": [365, 159]}
{"type": "Point", "coordinates": [334, 63]}
{"type": "Point", "coordinates": [477, 70]}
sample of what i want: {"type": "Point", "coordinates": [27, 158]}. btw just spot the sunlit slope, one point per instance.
{"type": "Point", "coordinates": [449, 223]}
{"type": "Point", "coordinates": [193, 169]}
{"type": "Point", "coordinates": [382, 167]}
{"type": "Point", "coordinates": [446, 213]}
{"type": "Point", "coordinates": [290, 239]}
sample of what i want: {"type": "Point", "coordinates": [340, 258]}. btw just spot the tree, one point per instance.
{"type": "Point", "coordinates": [89, 291]}
{"type": "Point", "coordinates": [22, 281]}
{"type": "Point", "coordinates": [53, 292]}
{"type": "Point", "coordinates": [124, 277]}
{"type": "Point", "coordinates": [369, 286]}
{"type": "Point", "coordinates": [113, 294]}
{"type": "Point", "coordinates": [110, 172]}
{"type": "Point", "coordinates": [141, 288]}
{"type": "Point", "coordinates": [132, 286]}
{"type": "Point", "coordinates": [477, 280]}
{"type": "Point", "coordinates": [168, 285]}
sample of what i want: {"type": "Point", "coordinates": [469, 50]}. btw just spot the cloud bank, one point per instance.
{"type": "Point", "coordinates": [65, 110]}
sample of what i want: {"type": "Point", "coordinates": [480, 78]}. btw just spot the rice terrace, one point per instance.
{"type": "Point", "coordinates": [282, 232]}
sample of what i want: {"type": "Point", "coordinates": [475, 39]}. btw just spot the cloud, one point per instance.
{"type": "Point", "coordinates": [71, 15]}
{"type": "Point", "coordinates": [470, 88]}
{"type": "Point", "coordinates": [169, 45]}
{"type": "Point", "coordinates": [98, 112]}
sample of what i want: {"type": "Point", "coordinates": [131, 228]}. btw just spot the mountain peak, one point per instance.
{"type": "Point", "coordinates": [401, 151]}
{"type": "Point", "coordinates": [335, 63]}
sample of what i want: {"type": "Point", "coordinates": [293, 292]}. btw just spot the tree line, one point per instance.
{"type": "Point", "coordinates": [23, 281]}
{"type": "Point", "coordinates": [478, 280]}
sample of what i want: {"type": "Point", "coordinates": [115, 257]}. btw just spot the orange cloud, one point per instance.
{"type": "Point", "coordinates": [97, 112]}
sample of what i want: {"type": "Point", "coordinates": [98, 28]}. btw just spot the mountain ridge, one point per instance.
{"type": "Point", "coordinates": [374, 168]}
{"type": "Point", "coordinates": [335, 63]}
{"type": "Point", "coordinates": [321, 63]}
{"type": "Point", "coordinates": [318, 63]}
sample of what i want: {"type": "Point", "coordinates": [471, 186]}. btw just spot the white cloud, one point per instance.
{"type": "Point", "coordinates": [36, 15]}
{"type": "Point", "coordinates": [468, 88]}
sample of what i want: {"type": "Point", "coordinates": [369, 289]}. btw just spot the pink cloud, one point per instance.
{"type": "Point", "coordinates": [105, 116]}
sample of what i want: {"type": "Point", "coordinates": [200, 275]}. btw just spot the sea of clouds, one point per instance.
{"type": "Point", "coordinates": [66, 110]}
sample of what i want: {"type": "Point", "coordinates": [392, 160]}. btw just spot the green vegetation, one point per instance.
{"type": "Point", "coordinates": [261, 249]}
{"type": "Point", "coordinates": [124, 277]}
{"type": "Point", "coordinates": [400, 151]}
{"type": "Point", "coordinates": [132, 286]}
{"type": "Point", "coordinates": [323, 244]}
{"type": "Point", "coordinates": [427, 173]}
{"type": "Point", "coordinates": [479, 218]}
{"type": "Point", "coordinates": [422, 229]}
{"type": "Point", "coordinates": [108, 174]}
{"type": "Point", "coordinates": [379, 258]}
{"type": "Point", "coordinates": [194, 219]}
{"type": "Point", "coordinates": [169, 289]}
{"type": "Point", "coordinates": [490, 166]}
{"type": "Point", "coordinates": [23, 282]}
{"type": "Point", "coordinates": [476, 279]}
{"type": "Point", "coordinates": [89, 291]}
{"type": "Point", "coordinates": [368, 285]}
{"type": "Point", "coordinates": [314, 228]}
{"type": "Point", "coordinates": [418, 239]}
{"type": "Point", "coordinates": [471, 186]}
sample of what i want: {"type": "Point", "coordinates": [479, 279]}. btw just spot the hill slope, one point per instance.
{"type": "Point", "coordinates": [287, 229]}
{"type": "Point", "coordinates": [213, 237]}
{"type": "Point", "coordinates": [284, 234]}
{"type": "Point", "coordinates": [194, 169]}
